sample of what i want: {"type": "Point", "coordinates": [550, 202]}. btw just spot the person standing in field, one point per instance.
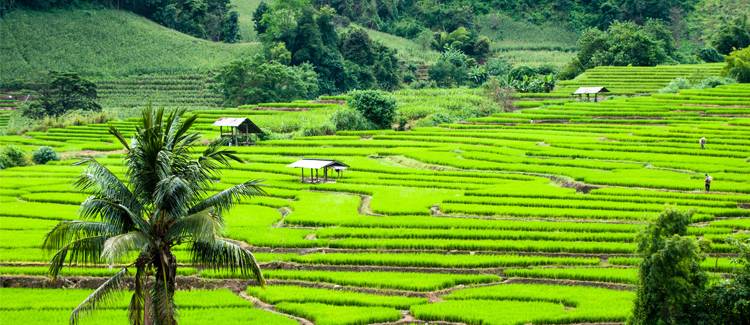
{"type": "Point", "coordinates": [702, 142]}
{"type": "Point", "coordinates": [708, 182]}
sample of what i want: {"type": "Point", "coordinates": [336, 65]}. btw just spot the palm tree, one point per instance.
{"type": "Point", "coordinates": [165, 202]}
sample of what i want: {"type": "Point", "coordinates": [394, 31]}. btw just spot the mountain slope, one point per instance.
{"type": "Point", "coordinates": [102, 43]}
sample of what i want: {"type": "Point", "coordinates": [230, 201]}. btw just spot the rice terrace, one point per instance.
{"type": "Point", "coordinates": [374, 162]}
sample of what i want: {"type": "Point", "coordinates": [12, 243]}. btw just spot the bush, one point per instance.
{"type": "Point", "coordinates": [325, 129]}
{"type": "Point", "coordinates": [12, 156]}
{"type": "Point", "coordinates": [452, 69]}
{"type": "Point", "coordinates": [43, 155]}
{"type": "Point", "coordinates": [738, 65]}
{"type": "Point", "coordinates": [350, 119]}
{"type": "Point", "coordinates": [376, 106]}
{"type": "Point", "coordinates": [710, 55]}
{"type": "Point", "coordinates": [497, 67]}
{"type": "Point", "coordinates": [713, 82]}
{"type": "Point", "coordinates": [675, 85]}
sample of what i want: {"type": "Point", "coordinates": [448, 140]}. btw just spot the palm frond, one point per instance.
{"type": "Point", "coordinates": [227, 198]}
{"type": "Point", "coordinates": [118, 135]}
{"type": "Point", "coordinates": [100, 296]}
{"type": "Point", "coordinates": [226, 254]}
{"type": "Point", "coordinates": [104, 183]}
{"type": "Point", "coordinates": [118, 246]}
{"type": "Point", "coordinates": [113, 213]}
{"type": "Point", "coordinates": [83, 250]}
{"type": "Point", "coordinates": [199, 226]}
{"type": "Point", "coordinates": [66, 231]}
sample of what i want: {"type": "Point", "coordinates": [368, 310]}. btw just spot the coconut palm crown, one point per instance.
{"type": "Point", "coordinates": [166, 201]}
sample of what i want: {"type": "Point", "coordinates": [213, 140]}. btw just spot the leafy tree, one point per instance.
{"type": "Point", "coordinates": [728, 302]}
{"type": "Point", "coordinates": [249, 81]}
{"type": "Point", "coordinates": [710, 54]}
{"type": "Point", "coordinates": [44, 155]}
{"type": "Point", "coordinates": [451, 69]}
{"type": "Point", "coordinates": [738, 65]}
{"type": "Point", "coordinates": [63, 92]}
{"type": "Point", "coordinates": [670, 277]}
{"type": "Point", "coordinates": [376, 106]}
{"type": "Point", "coordinates": [356, 46]}
{"type": "Point", "coordinates": [732, 35]}
{"type": "Point", "coordinates": [12, 156]}
{"type": "Point", "coordinates": [166, 201]}
{"type": "Point", "coordinates": [624, 43]}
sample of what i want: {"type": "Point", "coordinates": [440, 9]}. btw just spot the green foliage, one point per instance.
{"type": "Point", "coordinates": [733, 35]}
{"type": "Point", "coordinates": [310, 35]}
{"type": "Point", "coordinates": [728, 302]}
{"type": "Point", "coordinates": [163, 203]}
{"type": "Point", "coordinates": [376, 106]}
{"type": "Point", "coordinates": [468, 42]}
{"type": "Point", "coordinates": [670, 273]}
{"type": "Point", "coordinates": [623, 43]}
{"type": "Point", "coordinates": [61, 93]}
{"type": "Point", "coordinates": [452, 69]}
{"type": "Point", "coordinates": [710, 55]}
{"type": "Point", "coordinates": [12, 156]}
{"type": "Point", "coordinates": [738, 65]}
{"type": "Point", "coordinates": [255, 81]}
{"type": "Point", "coordinates": [44, 155]}
{"type": "Point", "coordinates": [350, 119]}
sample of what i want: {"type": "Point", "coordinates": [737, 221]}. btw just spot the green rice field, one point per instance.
{"type": "Point", "coordinates": [524, 217]}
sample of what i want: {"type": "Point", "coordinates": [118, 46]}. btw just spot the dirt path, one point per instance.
{"type": "Point", "coordinates": [364, 206]}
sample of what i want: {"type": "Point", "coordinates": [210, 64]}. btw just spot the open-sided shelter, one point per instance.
{"type": "Point", "coordinates": [588, 91]}
{"type": "Point", "coordinates": [237, 130]}
{"type": "Point", "coordinates": [314, 165]}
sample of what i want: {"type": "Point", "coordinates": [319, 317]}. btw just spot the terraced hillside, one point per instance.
{"type": "Point", "coordinates": [103, 43]}
{"type": "Point", "coordinates": [190, 90]}
{"type": "Point", "coordinates": [637, 80]}
{"type": "Point", "coordinates": [522, 217]}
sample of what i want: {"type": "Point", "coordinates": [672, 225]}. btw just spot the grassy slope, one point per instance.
{"type": "Point", "coordinates": [102, 42]}
{"type": "Point", "coordinates": [246, 8]}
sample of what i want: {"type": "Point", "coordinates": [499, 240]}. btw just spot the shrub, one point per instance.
{"type": "Point", "coordinates": [452, 69]}
{"type": "Point", "coordinates": [738, 65]}
{"type": "Point", "coordinates": [43, 155]}
{"type": "Point", "coordinates": [350, 119]}
{"type": "Point", "coordinates": [713, 82]}
{"type": "Point", "coordinates": [675, 85]}
{"type": "Point", "coordinates": [710, 54]}
{"type": "Point", "coordinates": [12, 156]}
{"type": "Point", "coordinates": [325, 129]}
{"type": "Point", "coordinates": [377, 106]}
{"type": "Point", "coordinates": [497, 67]}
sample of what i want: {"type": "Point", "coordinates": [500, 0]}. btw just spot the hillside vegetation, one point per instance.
{"type": "Point", "coordinates": [102, 43]}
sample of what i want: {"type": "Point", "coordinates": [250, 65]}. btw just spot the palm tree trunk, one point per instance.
{"type": "Point", "coordinates": [164, 286]}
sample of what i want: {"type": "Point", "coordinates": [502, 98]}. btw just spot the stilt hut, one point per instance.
{"type": "Point", "coordinates": [237, 130]}
{"type": "Point", "coordinates": [588, 91]}
{"type": "Point", "coordinates": [315, 165]}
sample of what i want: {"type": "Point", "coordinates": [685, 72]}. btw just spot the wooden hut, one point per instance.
{"type": "Point", "coordinates": [315, 165]}
{"type": "Point", "coordinates": [237, 130]}
{"type": "Point", "coordinates": [588, 91]}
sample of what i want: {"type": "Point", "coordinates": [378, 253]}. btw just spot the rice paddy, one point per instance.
{"type": "Point", "coordinates": [533, 212]}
